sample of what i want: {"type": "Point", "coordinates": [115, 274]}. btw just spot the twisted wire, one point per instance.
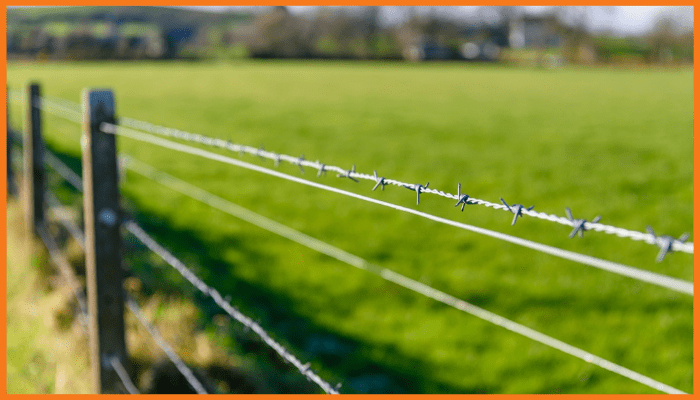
{"type": "Point", "coordinates": [358, 262]}
{"type": "Point", "coordinates": [635, 273]}
{"type": "Point", "coordinates": [184, 369]}
{"type": "Point", "coordinates": [149, 242]}
{"type": "Point", "coordinates": [71, 113]}
{"type": "Point", "coordinates": [238, 148]}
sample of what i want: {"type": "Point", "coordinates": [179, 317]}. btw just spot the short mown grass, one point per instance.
{"type": "Point", "coordinates": [610, 142]}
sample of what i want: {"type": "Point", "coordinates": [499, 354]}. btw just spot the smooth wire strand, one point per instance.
{"type": "Point", "coordinates": [391, 276]}
{"type": "Point", "coordinates": [63, 170]}
{"type": "Point", "coordinates": [634, 273]}
{"type": "Point", "coordinates": [65, 109]}
{"type": "Point", "coordinates": [60, 110]}
{"type": "Point", "coordinates": [149, 242]}
{"type": "Point", "coordinates": [184, 369]}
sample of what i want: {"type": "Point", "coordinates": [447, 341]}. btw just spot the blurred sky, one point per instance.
{"type": "Point", "coordinates": [626, 20]}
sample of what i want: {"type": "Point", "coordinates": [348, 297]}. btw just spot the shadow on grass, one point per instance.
{"type": "Point", "coordinates": [337, 358]}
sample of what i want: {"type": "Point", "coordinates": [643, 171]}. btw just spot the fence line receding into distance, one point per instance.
{"type": "Point", "coordinates": [130, 128]}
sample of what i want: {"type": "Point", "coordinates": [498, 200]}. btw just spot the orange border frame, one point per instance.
{"type": "Point", "coordinates": [3, 163]}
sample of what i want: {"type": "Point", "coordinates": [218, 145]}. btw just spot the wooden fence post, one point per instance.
{"type": "Point", "coordinates": [33, 162]}
{"type": "Point", "coordinates": [103, 242]}
{"type": "Point", "coordinates": [11, 188]}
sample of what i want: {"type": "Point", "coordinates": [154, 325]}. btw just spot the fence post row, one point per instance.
{"type": "Point", "coordinates": [33, 162]}
{"type": "Point", "coordinates": [103, 242]}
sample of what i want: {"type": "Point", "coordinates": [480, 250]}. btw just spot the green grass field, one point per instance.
{"type": "Point", "coordinates": [610, 142]}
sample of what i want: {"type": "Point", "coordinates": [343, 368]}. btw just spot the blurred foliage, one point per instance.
{"type": "Point", "coordinates": [78, 33]}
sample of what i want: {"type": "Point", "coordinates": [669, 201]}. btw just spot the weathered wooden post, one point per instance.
{"type": "Point", "coordinates": [11, 188]}
{"type": "Point", "coordinates": [33, 162]}
{"type": "Point", "coordinates": [102, 240]}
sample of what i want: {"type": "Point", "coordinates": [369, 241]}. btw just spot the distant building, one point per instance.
{"type": "Point", "coordinates": [534, 31]}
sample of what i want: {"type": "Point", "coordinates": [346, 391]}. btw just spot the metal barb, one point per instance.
{"type": "Point", "coordinates": [321, 170]}
{"type": "Point", "coordinates": [299, 160]}
{"type": "Point", "coordinates": [346, 174]}
{"type": "Point", "coordinates": [516, 209]}
{"type": "Point", "coordinates": [665, 243]}
{"type": "Point", "coordinates": [463, 199]}
{"type": "Point", "coordinates": [277, 160]}
{"type": "Point", "coordinates": [579, 224]}
{"type": "Point", "coordinates": [380, 181]}
{"type": "Point", "coordinates": [417, 187]}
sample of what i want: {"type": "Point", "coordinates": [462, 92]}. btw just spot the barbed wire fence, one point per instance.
{"type": "Point", "coordinates": [58, 211]}
{"type": "Point", "coordinates": [142, 131]}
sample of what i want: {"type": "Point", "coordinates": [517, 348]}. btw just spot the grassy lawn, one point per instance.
{"type": "Point", "coordinates": [613, 142]}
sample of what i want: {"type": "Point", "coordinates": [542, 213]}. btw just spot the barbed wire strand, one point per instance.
{"type": "Point", "coordinates": [676, 245]}
{"type": "Point", "coordinates": [149, 242]}
{"type": "Point", "coordinates": [184, 369]}
{"type": "Point", "coordinates": [634, 273]}
{"type": "Point", "coordinates": [123, 375]}
{"type": "Point", "coordinates": [358, 262]}
{"type": "Point", "coordinates": [685, 287]}
{"type": "Point", "coordinates": [214, 142]}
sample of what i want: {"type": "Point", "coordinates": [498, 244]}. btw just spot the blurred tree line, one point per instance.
{"type": "Point", "coordinates": [494, 33]}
